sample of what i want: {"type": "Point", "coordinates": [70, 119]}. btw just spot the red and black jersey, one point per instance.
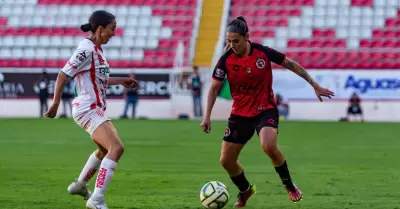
{"type": "Point", "coordinates": [355, 101]}
{"type": "Point", "coordinates": [250, 79]}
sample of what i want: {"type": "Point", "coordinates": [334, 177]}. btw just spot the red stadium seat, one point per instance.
{"type": "Point", "coordinates": [322, 44]}
{"type": "Point", "coordinates": [176, 24]}
{"type": "Point", "coordinates": [329, 45]}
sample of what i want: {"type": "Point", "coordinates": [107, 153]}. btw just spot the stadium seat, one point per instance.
{"type": "Point", "coordinates": [327, 34]}
{"type": "Point", "coordinates": [45, 33]}
{"type": "Point", "coordinates": [318, 33]}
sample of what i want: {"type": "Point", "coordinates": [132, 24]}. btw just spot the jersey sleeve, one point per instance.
{"type": "Point", "coordinates": [220, 70]}
{"type": "Point", "coordinates": [274, 55]}
{"type": "Point", "coordinates": [80, 61]}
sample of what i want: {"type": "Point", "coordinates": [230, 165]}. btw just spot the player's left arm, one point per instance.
{"type": "Point", "coordinates": [300, 71]}
{"type": "Point", "coordinates": [116, 80]}
{"type": "Point", "coordinates": [280, 59]}
{"type": "Point", "coordinates": [126, 82]}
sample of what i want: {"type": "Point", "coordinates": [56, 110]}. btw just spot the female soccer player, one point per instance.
{"type": "Point", "coordinates": [90, 71]}
{"type": "Point", "coordinates": [247, 67]}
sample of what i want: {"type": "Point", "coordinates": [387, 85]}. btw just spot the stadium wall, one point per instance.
{"type": "Point", "coordinates": [378, 89]}
{"type": "Point", "coordinates": [162, 109]}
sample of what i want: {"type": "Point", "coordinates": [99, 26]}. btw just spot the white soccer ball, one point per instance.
{"type": "Point", "coordinates": [214, 194]}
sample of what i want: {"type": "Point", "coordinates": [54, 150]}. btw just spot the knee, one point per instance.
{"type": "Point", "coordinates": [270, 148]}
{"type": "Point", "coordinates": [101, 153]}
{"type": "Point", "coordinates": [118, 149]}
{"type": "Point", "coordinates": [226, 162]}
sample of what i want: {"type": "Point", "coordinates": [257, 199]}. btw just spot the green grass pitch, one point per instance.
{"type": "Point", "coordinates": [337, 165]}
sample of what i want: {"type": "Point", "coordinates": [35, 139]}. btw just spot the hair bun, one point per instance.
{"type": "Point", "coordinates": [241, 18]}
{"type": "Point", "coordinates": [86, 27]}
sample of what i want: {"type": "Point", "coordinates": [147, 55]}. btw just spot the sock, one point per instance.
{"type": "Point", "coordinates": [103, 178]}
{"type": "Point", "coordinates": [241, 182]}
{"type": "Point", "coordinates": [283, 172]}
{"type": "Point", "coordinates": [92, 165]}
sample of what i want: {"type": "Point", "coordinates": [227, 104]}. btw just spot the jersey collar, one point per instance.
{"type": "Point", "coordinates": [95, 46]}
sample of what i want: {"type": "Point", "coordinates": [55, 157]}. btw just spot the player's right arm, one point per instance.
{"type": "Point", "coordinates": [79, 62]}
{"type": "Point", "coordinates": [218, 76]}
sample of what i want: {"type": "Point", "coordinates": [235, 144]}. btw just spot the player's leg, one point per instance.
{"type": "Point", "coordinates": [360, 113]}
{"type": "Point", "coordinates": [349, 112]}
{"type": "Point", "coordinates": [70, 107]}
{"type": "Point", "coordinates": [64, 101]}
{"type": "Point", "coordinates": [42, 107]}
{"type": "Point", "coordinates": [229, 161]}
{"type": "Point", "coordinates": [106, 136]}
{"type": "Point", "coordinates": [46, 105]}
{"type": "Point", "coordinates": [268, 132]}
{"type": "Point", "coordinates": [89, 120]}
{"type": "Point", "coordinates": [79, 186]}
{"type": "Point", "coordinates": [236, 136]}
{"type": "Point", "coordinates": [200, 106]}
{"type": "Point", "coordinates": [127, 102]}
{"type": "Point", "coordinates": [194, 106]}
{"type": "Point", "coordinates": [134, 104]}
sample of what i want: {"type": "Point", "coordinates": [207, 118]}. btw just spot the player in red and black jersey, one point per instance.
{"type": "Point", "coordinates": [247, 67]}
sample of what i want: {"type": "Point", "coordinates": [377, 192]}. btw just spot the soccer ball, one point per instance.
{"type": "Point", "coordinates": [214, 195]}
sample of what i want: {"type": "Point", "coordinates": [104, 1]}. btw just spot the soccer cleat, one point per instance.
{"type": "Point", "coordinates": [295, 196]}
{"type": "Point", "coordinates": [90, 204]}
{"type": "Point", "coordinates": [244, 196]}
{"type": "Point", "coordinates": [78, 188]}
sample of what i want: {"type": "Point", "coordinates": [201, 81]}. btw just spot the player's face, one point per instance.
{"type": "Point", "coordinates": [237, 42]}
{"type": "Point", "coordinates": [108, 32]}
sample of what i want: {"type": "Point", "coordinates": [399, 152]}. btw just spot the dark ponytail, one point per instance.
{"type": "Point", "coordinates": [98, 18]}
{"type": "Point", "coordinates": [86, 27]}
{"type": "Point", "coordinates": [238, 25]}
{"type": "Point", "coordinates": [242, 19]}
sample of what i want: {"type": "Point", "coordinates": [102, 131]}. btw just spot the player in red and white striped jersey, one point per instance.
{"type": "Point", "coordinates": [90, 70]}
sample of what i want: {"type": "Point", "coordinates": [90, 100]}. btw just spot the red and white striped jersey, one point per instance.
{"type": "Point", "coordinates": [90, 71]}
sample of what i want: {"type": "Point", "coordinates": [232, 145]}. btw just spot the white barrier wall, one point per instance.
{"type": "Point", "coordinates": [379, 91]}
{"type": "Point", "coordinates": [163, 109]}
{"type": "Point", "coordinates": [383, 111]}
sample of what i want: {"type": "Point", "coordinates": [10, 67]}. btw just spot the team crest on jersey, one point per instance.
{"type": "Point", "coordinates": [219, 73]}
{"type": "Point", "coordinates": [248, 70]}
{"type": "Point", "coordinates": [260, 63]}
{"type": "Point", "coordinates": [81, 56]}
{"type": "Point", "coordinates": [227, 132]}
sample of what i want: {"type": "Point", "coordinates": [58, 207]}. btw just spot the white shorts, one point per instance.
{"type": "Point", "coordinates": [89, 119]}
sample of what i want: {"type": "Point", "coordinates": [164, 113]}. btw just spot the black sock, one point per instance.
{"type": "Point", "coordinates": [241, 182]}
{"type": "Point", "coordinates": [283, 172]}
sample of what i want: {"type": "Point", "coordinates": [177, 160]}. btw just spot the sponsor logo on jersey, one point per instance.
{"type": "Point", "coordinates": [104, 70]}
{"type": "Point", "coordinates": [81, 56]}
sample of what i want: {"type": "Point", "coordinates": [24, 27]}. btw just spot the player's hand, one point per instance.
{"type": "Point", "coordinates": [322, 92]}
{"type": "Point", "coordinates": [52, 111]}
{"type": "Point", "coordinates": [130, 83]}
{"type": "Point", "coordinates": [206, 125]}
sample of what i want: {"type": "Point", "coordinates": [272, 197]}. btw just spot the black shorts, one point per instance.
{"type": "Point", "coordinates": [240, 129]}
{"type": "Point", "coordinates": [354, 110]}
